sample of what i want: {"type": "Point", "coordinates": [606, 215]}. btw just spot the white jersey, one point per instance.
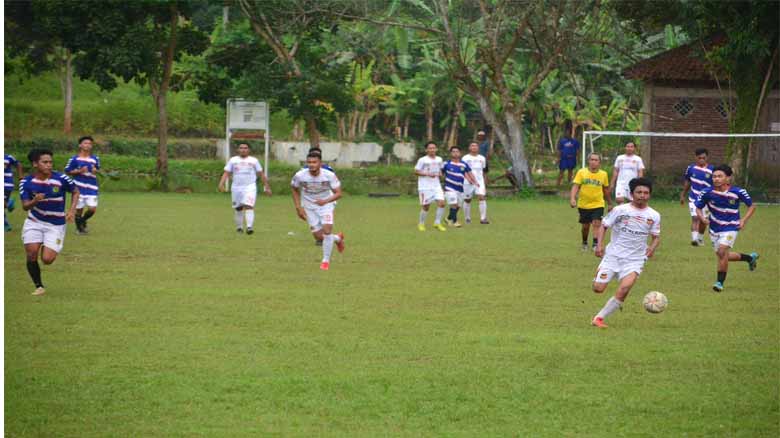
{"type": "Point", "coordinates": [477, 163]}
{"type": "Point", "coordinates": [314, 188]}
{"type": "Point", "coordinates": [630, 229]}
{"type": "Point", "coordinates": [430, 165]}
{"type": "Point", "coordinates": [629, 167]}
{"type": "Point", "coordinates": [244, 170]}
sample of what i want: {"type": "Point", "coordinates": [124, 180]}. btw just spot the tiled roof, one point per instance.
{"type": "Point", "coordinates": [682, 63]}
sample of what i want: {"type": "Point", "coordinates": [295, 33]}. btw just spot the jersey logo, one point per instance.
{"type": "Point", "coordinates": [55, 189]}
{"type": "Point", "coordinates": [603, 276]}
{"type": "Point", "coordinates": [59, 241]}
{"type": "Point", "coordinates": [729, 237]}
{"type": "Point", "coordinates": [650, 222]}
{"type": "Point", "coordinates": [732, 201]}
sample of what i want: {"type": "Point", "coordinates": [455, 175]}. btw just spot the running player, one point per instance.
{"type": "Point", "coordinates": [456, 173]}
{"type": "Point", "coordinates": [723, 202]}
{"type": "Point", "coordinates": [315, 191]}
{"type": "Point", "coordinates": [11, 164]}
{"type": "Point", "coordinates": [478, 164]}
{"type": "Point", "coordinates": [628, 250]}
{"type": "Point", "coordinates": [245, 169]}
{"type": "Point", "coordinates": [43, 195]}
{"type": "Point", "coordinates": [318, 151]}
{"type": "Point", "coordinates": [592, 186]}
{"type": "Point", "coordinates": [627, 167]}
{"type": "Point", "coordinates": [83, 168]}
{"type": "Point", "coordinates": [698, 176]}
{"type": "Point", "coordinates": [428, 171]}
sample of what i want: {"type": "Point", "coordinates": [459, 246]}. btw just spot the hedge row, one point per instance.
{"type": "Point", "coordinates": [195, 148]}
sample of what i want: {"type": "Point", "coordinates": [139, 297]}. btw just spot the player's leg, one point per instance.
{"type": "Point", "coordinates": [325, 214]}
{"type": "Point", "coordinates": [483, 219]}
{"type": "Point", "coordinates": [585, 221]}
{"type": "Point", "coordinates": [33, 268]}
{"type": "Point", "coordinates": [560, 177]}
{"type": "Point", "coordinates": [467, 210]}
{"type": "Point", "coordinates": [248, 198]}
{"type": "Point", "coordinates": [90, 204]}
{"type": "Point", "coordinates": [440, 205]}
{"type": "Point", "coordinates": [570, 170]}
{"type": "Point", "coordinates": [425, 204]}
{"type": "Point", "coordinates": [249, 217]}
{"type": "Point", "coordinates": [452, 199]}
{"type": "Point", "coordinates": [596, 224]}
{"type": "Point", "coordinates": [616, 302]}
{"type": "Point", "coordinates": [604, 274]}
{"type": "Point", "coordinates": [238, 218]}
{"type": "Point", "coordinates": [722, 254]}
{"type": "Point", "coordinates": [7, 226]}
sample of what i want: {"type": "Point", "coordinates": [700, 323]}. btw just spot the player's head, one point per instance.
{"type": "Point", "coordinates": [313, 162]}
{"type": "Point", "coordinates": [701, 156]}
{"type": "Point", "coordinates": [85, 143]}
{"type": "Point", "coordinates": [630, 148]}
{"type": "Point", "coordinates": [455, 152]}
{"type": "Point", "coordinates": [430, 148]}
{"type": "Point", "coordinates": [594, 161]}
{"type": "Point", "coordinates": [721, 175]}
{"type": "Point", "coordinates": [316, 150]}
{"type": "Point", "coordinates": [481, 135]}
{"type": "Point", "coordinates": [474, 147]}
{"type": "Point", "coordinates": [641, 188]}
{"type": "Point", "coordinates": [42, 160]}
{"type": "Point", "coordinates": [243, 149]}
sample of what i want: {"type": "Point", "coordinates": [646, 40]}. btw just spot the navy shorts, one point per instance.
{"type": "Point", "coordinates": [567, 164]}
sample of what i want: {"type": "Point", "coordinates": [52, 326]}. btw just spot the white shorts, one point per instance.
{"type": "Point", "coordinates": [52, 236]}
{"type": "Point", "coordinates": [429, 195]}
{"type": "Point", "coordinates": [610, 266]}
{"type": "Point", "coordinates": [725, 238]}
{"type": "Point", "coordinates": [692, 209]}
{"type": "Point", "coordinates": [244, 196]}
{"type": "Point", "coordinates": [453, 198]}
{"type": "Point", "coordinates": [622, 190]}
{"type": "Point", "coordinates": [317, 215]}
{"type": "Point", "coordinates": [87, 200]}
{"type": "Point", "coordinates": [470, 190]}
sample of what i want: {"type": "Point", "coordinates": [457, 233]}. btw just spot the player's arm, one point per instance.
{"type": "Point", "coordinates": [748, 215]}
{"type": "Point", "coordinates": [607, 197]}
{"type": "Point", "coordinates": [332, 198]}
{"type": "Point", "coordinates": [575, 188]}
{"type": "Point", "coordinates": [296, 195]}
{"type": "Point", "coordinates": [264, 179]}
{"type": "Point", "coordinates": [600, 232]}
{"type": "Point", "coordinates": [700, 202]}
{"type": "Point", "coordinates": [28, 204]}
{"type": "Point", "coordinates": [655, 240]}
{"type": "Point", "coordinates": [470, 176]}
{"type": "Point", "coordinates": [74, 200]}
{"type": "Point", "coordinates": [684, 193]}
{"type": "Point", "coordinates": [615, 173]}
{"type": "Point", "coordinates": [222, 181]}
{"type": "Point", "coordinates": [19, 169]}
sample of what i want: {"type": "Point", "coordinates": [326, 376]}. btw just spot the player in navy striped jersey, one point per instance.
{"type": "Point", "coordinates": [456, 172]}
{"type": "Point", "coordinates": [698, 176]}
{"type": "Point", "coordinates": [83, 168]}
{"type": "Point", "coordinates": [723, 201]}
{"type": "Point", "coordinates": [10, 164]}
{"type": "Point", "coordinates": [43, 196]}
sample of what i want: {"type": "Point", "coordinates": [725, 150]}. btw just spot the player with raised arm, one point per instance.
{"type": "Point", "coordinates": [315, 191]}
{"type": "Point", "coordinates": [83, 168]}
{"type": "Point", "coordinates": [627, 167]}
{"type": "Point", "coordinates": [592, 186]}
{"type": "Point", "coordinates": [244, 169]}
{"type": "Point", "coordinates": [43, 195]}
{"type": "Point", "coordinates": [10, 164]}
{"type": "Point", "coordinates": [698, 176]}
{"type": "Point", "coordinates": [428, 170]}
{"type": "Point", "coordinates": [628, 250]}
{"type": "Point", "coordinates": [478, 164]}
{"type": "Point", "coordinates": [456, 173]}
{"type": "Point", "coordinates": [722, 200]}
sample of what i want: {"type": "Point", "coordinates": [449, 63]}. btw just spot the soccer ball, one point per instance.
{"type": "Point", "coordinates": [655, 302]}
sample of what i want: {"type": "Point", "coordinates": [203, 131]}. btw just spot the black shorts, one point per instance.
{"type": "Point", "coordinates": [588, 215]}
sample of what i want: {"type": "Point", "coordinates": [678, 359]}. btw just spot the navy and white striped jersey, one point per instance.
{"type": "Point", "coordinates": [454, 175]}
{"type": "Point", "coordinates": [10, 165]}
{"type": "Point", "coordinates": [700, 178]}
{"type": "Point", "coordinates": [86, 182]}
{"type": "Point", "coordinates": [52, 208]}
{"type": "Point", "coordinates": [724, 207]}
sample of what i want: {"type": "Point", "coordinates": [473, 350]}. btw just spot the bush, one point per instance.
{"type": "Point", "coordinates": [181, 149]}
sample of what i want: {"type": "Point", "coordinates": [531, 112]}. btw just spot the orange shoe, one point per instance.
{"type": "Point", "coordinates": [340, 243]}
{"type": "Point", "coordinates": [598, 322]}
{"type": "Point", "coordinates": [325, 266]}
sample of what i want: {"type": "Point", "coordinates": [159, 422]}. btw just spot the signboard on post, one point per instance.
{"type": "Point", "coordinates": [249, 116]}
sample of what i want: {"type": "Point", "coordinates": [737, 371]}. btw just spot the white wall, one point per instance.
{"type": "Point", "coordinates": [341, 154]}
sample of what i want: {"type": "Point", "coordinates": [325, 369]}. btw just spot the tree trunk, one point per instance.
{"type": "Point", "coordinates": [314, 133]}
{"type": "Point", "coordinates": [397, 126]}
{"type": "Point", "coordinates": [364, 124]}
{"type": "Point", "coordinates": [514, 145]}
{"type": "Point", "coordinates": [429, 121]}
{"type": "Point", "coordinates": [353, 123]}
{"type": "Point", "coordinates": [162, 136]}
{"type": "Point", "coordinates": [342, 127]}
{"type": "Point", "coordinates": [406, 128]}
{"type": "Point", "coordinates": [68, 93]}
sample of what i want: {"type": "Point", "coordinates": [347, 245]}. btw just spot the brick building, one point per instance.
{"type": "Point", "coordinates": [681, 95]}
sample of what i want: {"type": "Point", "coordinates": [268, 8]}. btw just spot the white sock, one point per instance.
{"type": "Point", "coordinates": [694, 235]}
{"type": "Point", "coordinates": [467, 210]}
{"type": "Point", "coordinates": [336, 238]}
{"type": "Point", "coordinates": [423, 216]}
{"type": "Point", "coordinates": [250, 218]}
{"type": "Point", "coordinates": [327, 247]}
{"type": "Point", "coordinates": [612, 305]}
{"type": "Point", "coordinates": [483, 210]}
{"type": "Point", "coordinates": [238, 216]}
{"type": "Point", "coordinates": [439, 215]}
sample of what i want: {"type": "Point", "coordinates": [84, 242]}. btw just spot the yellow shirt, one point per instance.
{"type": "Point", "coordinates": [591, 188]}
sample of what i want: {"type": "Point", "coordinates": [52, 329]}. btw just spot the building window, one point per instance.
{"type": "Point", "coordinates": [683, 107]}
{"type": "Point", "coordinates": [725, 109]}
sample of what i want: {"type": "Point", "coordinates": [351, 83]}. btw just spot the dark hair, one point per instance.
{"type": "Point", "coordinates": [724, 168]}
{"type": "Point", "coordinates": [243, 142]}
{"type": "Point", "coordinates": [454, 147]}
{"type": "Point", "coordinates": [636, 182]}
{"type": "Point", "coordinates": [700, 151]}
{"type": "Point", "coordinates": [35, 154]}
{"type": "Point", "coordinates": [631, 142]}
{"type": "Point", "coordinates": [86, 137]}
{"type": "Point", "coordinates": [430, 142]}
{"type": "Point", "coordinates": [315, 149]}
{"type": "Point", "coordinates": [314, 154]}
{"type": "Point", "coordinates": [567, 127]}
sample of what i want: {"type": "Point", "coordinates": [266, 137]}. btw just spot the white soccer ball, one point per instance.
{"type": "Point", "coordinates": [655, 302]}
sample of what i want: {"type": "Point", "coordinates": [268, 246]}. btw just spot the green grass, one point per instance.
{"type": "Point", "coordinates": [164, 322]}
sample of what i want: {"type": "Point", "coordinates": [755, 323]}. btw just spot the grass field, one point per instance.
{"type": "Point", "coordinates": [164, 322]}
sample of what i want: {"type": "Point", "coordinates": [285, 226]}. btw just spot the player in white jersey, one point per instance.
{"type": "Point", "coordinates": [244, 169]}
{"type": "Point", "coordinates": [478, 164]}
{"type": "Point", "coordinates": [428, 170]}
{"type": "Point", "coordinates": [315, 191]}
{"type": "Point", "coordinates": [628, 250]}
{"type": "Point", "coordinates": [627, 167]}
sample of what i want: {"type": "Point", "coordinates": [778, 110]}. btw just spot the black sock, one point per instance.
{"type": "Point", "coordinates": [745, 257]}
{"type": "Point", "coordinates": [35, 273]}
{"type": "Point", "coordinates": [87, 215]}
{"type": "Point", "coordinates": [722, 277]}
{"type": "Point", "coordinates": [585, 241]}
{"type": "Point", "coordinates": [453, 216]}
{"type": "Point", "coordinates": [595, 241]}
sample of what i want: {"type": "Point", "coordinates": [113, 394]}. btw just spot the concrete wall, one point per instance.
{"type": "Point", "coordinates": [341, 154]}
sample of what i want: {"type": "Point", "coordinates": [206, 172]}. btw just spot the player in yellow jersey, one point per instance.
{"type": "Point", "coordinates": [592, 185]}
